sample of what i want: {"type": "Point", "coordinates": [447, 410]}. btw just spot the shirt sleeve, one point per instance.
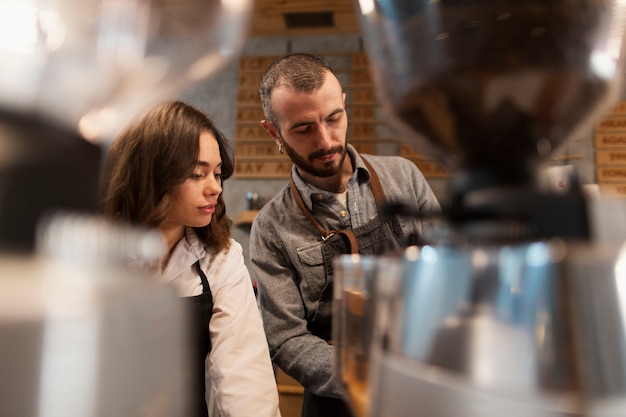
{"type": "Point", "coordinates": [403, 182]}
{"type": "Point", "coordinates": [240, 369]}
{"type": "Point", "coordinates": [302, 355]}
{"type": "Point", "coordinates": [427, 202]}
{"type": "Point", "coordinates": [425, 196]}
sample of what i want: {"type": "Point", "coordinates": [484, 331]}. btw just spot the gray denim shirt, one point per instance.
{"type": "Point", "coordinates": [286, 259]}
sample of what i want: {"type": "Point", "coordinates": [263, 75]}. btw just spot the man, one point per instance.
{"type": "Point", "coordinates": [331, 207]}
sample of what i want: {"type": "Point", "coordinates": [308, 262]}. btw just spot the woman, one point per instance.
{"type": "Point", "coordinates": [166, 171]}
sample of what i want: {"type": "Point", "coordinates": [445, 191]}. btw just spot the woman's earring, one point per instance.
{"type": "Point", "coordinates": [280, 148]}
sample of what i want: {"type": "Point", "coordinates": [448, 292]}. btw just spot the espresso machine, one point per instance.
{"type": "Point", "coordinates": [85, 331]}
{"type": "Point", "coordinates": [512, 306]}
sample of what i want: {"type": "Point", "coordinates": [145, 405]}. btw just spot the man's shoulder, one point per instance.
{"type": "Point", "coordinates": [389, 162]}
{"type": "Point", "coordinates": [383, 158]}
{"type": "Point", "coordinates": [396, 174]}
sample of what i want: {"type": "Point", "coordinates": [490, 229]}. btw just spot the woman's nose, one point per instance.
{"type": "Point", "coordinates": [213, 186]}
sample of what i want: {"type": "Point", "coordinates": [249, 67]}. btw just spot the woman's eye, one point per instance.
{"type": "Point", "coordinates": [197, 175]}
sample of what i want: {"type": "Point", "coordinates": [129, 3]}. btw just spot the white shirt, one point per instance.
{"type": "Point", "coordinates": [239, 369]}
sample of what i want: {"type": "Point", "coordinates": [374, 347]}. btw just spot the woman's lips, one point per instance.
{"type": "Point", "coordinates": [209, 209]}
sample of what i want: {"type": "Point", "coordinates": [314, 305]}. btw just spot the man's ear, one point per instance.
{"type": "Point", "coordinates": [271, 130]}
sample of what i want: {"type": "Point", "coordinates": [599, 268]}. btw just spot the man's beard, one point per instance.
{"type": "Point", "coordinates": [306, 164]}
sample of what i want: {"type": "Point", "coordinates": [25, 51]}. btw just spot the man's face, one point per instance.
{"type": "Point", "coordinates": [313, 127]}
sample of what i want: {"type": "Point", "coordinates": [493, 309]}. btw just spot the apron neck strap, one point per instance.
{"type": "Point", "coordinates": [377, 188]}
{"type": "Point", "coordinates": [379, 197]}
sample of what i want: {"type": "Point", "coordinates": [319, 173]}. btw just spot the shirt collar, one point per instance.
{"type": "Point", "coordinates": [194, 244]}
{"type": "Point", "coordinates": [186, 252]}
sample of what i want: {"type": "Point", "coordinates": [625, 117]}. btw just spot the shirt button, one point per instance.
{"type": "Point", "coordinates": [319, 196]}
{"type": "Point", "coordinates": [343, 213]}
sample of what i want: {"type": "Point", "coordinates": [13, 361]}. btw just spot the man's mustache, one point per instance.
{"type": "Point", "coordinates": [320, 154]}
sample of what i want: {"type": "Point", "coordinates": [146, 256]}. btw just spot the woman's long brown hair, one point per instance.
{"type": "Point", "coordinates": [152, 156]}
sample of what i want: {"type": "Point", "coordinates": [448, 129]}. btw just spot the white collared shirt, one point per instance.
{"type": "Point", "coordinates": [239, 368]}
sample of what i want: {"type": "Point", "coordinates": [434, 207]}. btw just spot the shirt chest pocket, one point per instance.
{"type": "Point", "coordinates": [313, 273]}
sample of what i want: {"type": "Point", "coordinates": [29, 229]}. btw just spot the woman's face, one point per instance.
{"type": "Point", "coordinates": [194, 201]}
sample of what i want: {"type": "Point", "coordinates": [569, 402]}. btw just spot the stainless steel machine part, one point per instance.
{"type": "Point", "coordinates": [517, 310]}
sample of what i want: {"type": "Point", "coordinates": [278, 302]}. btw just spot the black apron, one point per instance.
{"type": "Point", "coordinates": [374, 238]}
{"type": "Point", "coordinates": [201, 309]}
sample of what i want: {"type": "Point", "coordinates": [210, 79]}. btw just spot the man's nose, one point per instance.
{"type": "Point", "coordinates": [324, 138]}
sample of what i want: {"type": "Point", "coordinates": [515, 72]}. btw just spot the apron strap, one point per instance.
{"type": "Point", "coordinates": [379, 197]}
{"type": "Point", "coordinates": [203, 278]}
{"type": "Point", "coordinates": [377, 188]}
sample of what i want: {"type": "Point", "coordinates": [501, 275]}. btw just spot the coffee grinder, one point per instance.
{"type": "Point", "coordinates": [513, 308]}
{"type": "Point", "coordinates": [82, 332]}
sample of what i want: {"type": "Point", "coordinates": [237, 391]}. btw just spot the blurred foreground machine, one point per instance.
{"type": "Point", "coordinates": [514, 308]}
{"type": "Point", "coordinates": [82, 332]}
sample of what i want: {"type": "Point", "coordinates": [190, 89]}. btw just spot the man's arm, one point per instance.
{"type": "Point", "coordinates": [300, 354]}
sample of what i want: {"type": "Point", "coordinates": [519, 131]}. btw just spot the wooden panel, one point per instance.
{"type": "Point", "coordinates": [359, 113]}
{"type": "Point", "coordinates": [250, 80]}
{"type": "Point", "coordinates": [275, 26]}
{"type": "Point", "coordinates": [255, 64]}
{"type": "Point", "coordinates": [368, 147]}
{"type": "Point", "coordinates": [612, 123]}
{"type": "Point", "coordinates": [612, 174]}
{"type": "Point", "coordinates": [257, 149]}
{"type": "Point", "coordinates": [610, 140]}
{"type": "Point", "coordinates": [610, 144]}
{"type": "Point", "coordinates": [268, 19]}
{"type": "Point", "coordinates": [253, 131]}
{"type": "Point", "coordinates": [612, 157]}
{"type": "Point", "coordinates": [360, 77]}
{"type": "Point", "coordinates": [290, 394]}
{"type": "Point", "coordinates": [613, 190]}
{"type": "Point", "coordinates": [250, 114]}
{"type": "Point", "coordinates": [359, 60]}
{"type": "Point", "coordinates": [363, 95]}
{"type": "Point", "coordinates": [362, 130]}
{"type": "Point", "coordinates": [567, 157]}
{"type": "Point", "coordinates": [247, 96]}
{"type": "Point", "coordinates": [262, 169]}
{"type": "Point", "coordinates": [618, 109]}
{"type": "Point", "coordinates": [263, 150]}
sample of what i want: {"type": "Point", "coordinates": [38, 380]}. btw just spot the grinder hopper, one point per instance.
{"type": "Point", "coordinates": [515, 311]}
{"type": "Point", "coordinates": [490, 88]}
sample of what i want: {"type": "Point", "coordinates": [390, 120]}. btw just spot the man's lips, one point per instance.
{"type": "Point", "coordinates": [327, 157]}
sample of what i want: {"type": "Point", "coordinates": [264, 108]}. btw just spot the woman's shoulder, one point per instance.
{"type": "Point", "coordinates": [234, 252]}
{"type": "Point", "coordinates": [234, 247]}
